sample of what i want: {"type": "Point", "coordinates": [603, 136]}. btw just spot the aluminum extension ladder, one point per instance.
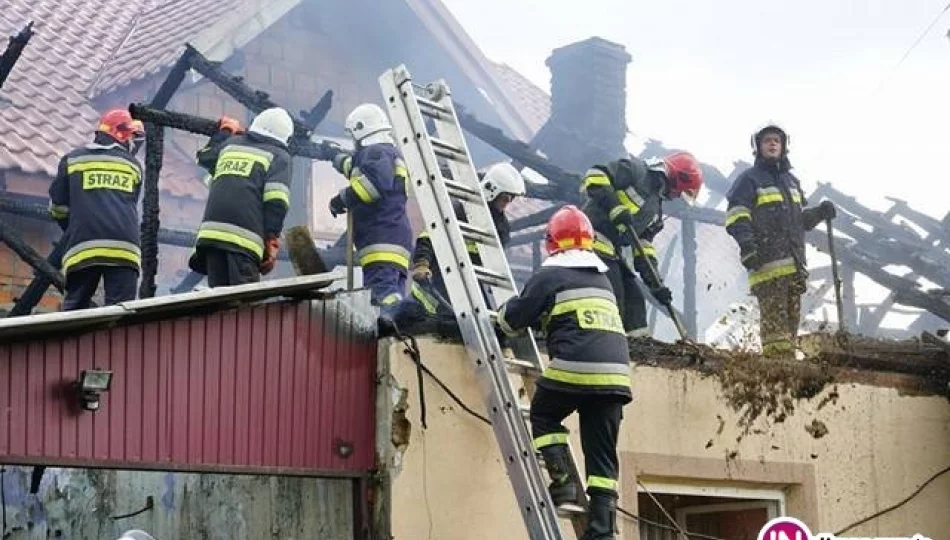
{"type": "Point", "coordinates": [412, 117]}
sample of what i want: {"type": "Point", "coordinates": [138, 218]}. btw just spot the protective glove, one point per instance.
{"type": "Point", "coordinates": [749, 255]}
{"type": "Point", "coordinates": [337, 206]}
{"type": "Point", "coordinates": [662, 295]}
{"type": "Point", "coordinates": [271, 247]}
{"type": "Point", "coordinates": [230, 125]}
{"type": "Point", "coordinates": [641, 265]}
{"type": "Point", "coordinates": [828, 210]}
{"type": "Point", "coordinates": [421, 272]}
{"type": "Point", "coordinates": [330, 149]}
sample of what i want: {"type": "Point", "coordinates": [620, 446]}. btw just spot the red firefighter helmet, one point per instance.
{"type": "Point", "coordinates": [569, 228]}
{"type": "Point", "coordinates": [683, 175]}
{"type": "Point", "coordinates": [118, 124]}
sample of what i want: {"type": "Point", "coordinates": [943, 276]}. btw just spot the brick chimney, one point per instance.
{"type": "Point", "coordinates": [588, 103]}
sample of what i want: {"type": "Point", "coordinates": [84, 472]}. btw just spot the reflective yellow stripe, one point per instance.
{"type": "Point", "coordinates": [595, 179]}
{"type": "Point", "coordinates": [628, 202]}
{"type": "Point", "coordinates": [391, 299]}
{"type": "Point", "coordinates": [401, 170]}
{"type": "Point", "coordinates": [550, 440]}
{"type": "Point", "coordinates": [602, 482]}
{"type": "Point", "coordinates": [586, 379]}
{"type": "Point", "coordinates": [797, 197]}
{"type": "Point", "coordinates": [733, 217]}
{"type": "Point", "coordinates": [604, 248]}
{"type": "Point", "coordinates": [383, 256]}
{"type": "Point", "coordinates": [760, 276]}
{"type": "Point", "coordinates": [58, 211]}
{"type": "Point", "coordinates": [102, 166]}
{"type": "Point", "coordinates": [360, 191]}
{"type": "Point", "coordinates": [616, 211]}
{"type": "Point", "coordinates": [111, 253]}
{"type": "Point", "coordinates": [231, 154]}
{"type": "Point", "coordinates": [277, 195]}
{"type": "Point", "coordinates": [472, 247]}
{"type": "Point", "coordinates": [232, 238]}
{"type": "Point", "coordinates": [503, 324]}
{"type": "Point", "coordinates": [648, 250]}
{"type": "Point", "coordinates": [582, 303]}
{"type": "Point", "coordinates": [423, 298]}
{"type": "Point", "coordinates": [769, 198]}
{"type": "Point", "coordinates": [570, 243]}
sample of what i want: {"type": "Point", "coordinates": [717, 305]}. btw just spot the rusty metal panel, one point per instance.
{"type": "Point", "coordinates": [281, 387]}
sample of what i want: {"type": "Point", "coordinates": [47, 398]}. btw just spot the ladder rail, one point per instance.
{"type": "Point", "coordinates": [410, 114]}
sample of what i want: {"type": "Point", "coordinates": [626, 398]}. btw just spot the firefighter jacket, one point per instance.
{"type": "Point", "coordinates": [94, 198]}
{"type": "Point", "coordinates": [571, 299]}
{"type": "Point", "coordinates": [620, 194]}
{"type": "Point", "coordinates": [377, 197]}
{"type": "Point", "coordinates": [765, 217]}
{"type": "Point", "coordinates": [248, 194]}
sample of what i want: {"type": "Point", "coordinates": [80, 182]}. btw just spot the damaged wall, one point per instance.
{"type": "Point", "coordinates": [78, 503]}
{"type": "Point", "coordinates": [879, 447]}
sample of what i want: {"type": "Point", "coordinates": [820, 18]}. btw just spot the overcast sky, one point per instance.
{"type": "Point", "coordinates": [706, 73]}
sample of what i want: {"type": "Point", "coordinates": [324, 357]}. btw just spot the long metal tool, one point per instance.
{"type": "Point", "coordinates": [674, 316]}
{"type": "Point", "coordinates": [839, 303]}
{"type": "Point", "coordinates": [349, 251]}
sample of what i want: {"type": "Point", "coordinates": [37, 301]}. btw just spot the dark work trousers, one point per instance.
{"type": "Point", "coordinates": [230, 268]}
{"type": "Point", "coordinates": [630, 301]}
{"type": "Point", "coordinates": [119, 282]}
{"type": "Point", "coordinates": [780, 304]}
{"type": "Point", "coordinates": [386, 282]}
{"type": "Point", "coordinates": [600, 423]}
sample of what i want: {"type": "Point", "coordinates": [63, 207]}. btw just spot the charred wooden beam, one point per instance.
{"type": "Point", "coordinates": [151, 222]}
{"type": "Point", "coordinates": [41, 282]}
{"type": "Point", "coordinates": [13, 51]}
{"type": "Point", "coordinates": [13, 238]}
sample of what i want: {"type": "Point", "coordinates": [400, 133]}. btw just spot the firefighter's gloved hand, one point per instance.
{"type": "Point", "coordinates": [662, 295]}
{"type": "Point", "coordinates": [827, 210]}
{"type": "Point", "coordinates": [231, 125]}
{"type": "Point", "coordinates": [421, 272]}
{"type": "Point", "coordinates": [337, 206]}
{"type": "Point", "coordinates": [271, 247]}
{"type": "Point", "coordinates": [749, 256]}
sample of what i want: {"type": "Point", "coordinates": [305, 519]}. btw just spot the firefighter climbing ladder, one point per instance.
{"type": "Point", "coordinates": [412, 117]}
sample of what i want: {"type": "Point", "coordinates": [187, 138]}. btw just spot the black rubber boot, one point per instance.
{"type": "Point", "coordinates": [601, 517]}
{"type": "Point", "coordinates": [563, 490]}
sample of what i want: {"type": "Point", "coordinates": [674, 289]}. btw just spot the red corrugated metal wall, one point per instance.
{"type": "Point", "coordinates": [280, 387]}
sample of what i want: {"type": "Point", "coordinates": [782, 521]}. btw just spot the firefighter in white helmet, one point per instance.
{"type": "Point", "coordinates": [501, 184]}
{"type": "Point", "coordinates": [377, 197]}
{"type": "Point", "coordinates": [248, 199]}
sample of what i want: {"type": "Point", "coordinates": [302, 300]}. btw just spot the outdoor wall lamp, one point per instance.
{"type": "Point", "coordinates": [91, 383]}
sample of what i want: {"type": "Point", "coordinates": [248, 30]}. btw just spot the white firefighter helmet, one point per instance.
{"type": "Point", "coordinates": [502, 178]}
{"type": "Point", "coordinates": [368, 124]}
{"type": "Point", "coordinates": [274, 123]}
{"type": "Point", "coordinates": [770, 127]}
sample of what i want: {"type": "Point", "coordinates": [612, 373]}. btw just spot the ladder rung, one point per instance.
{"type": "Point", "coordinates": [461, 191]}
{"type": "Point", "coordinates": [491, 277]}
{"type": "Point", "coordinates": [431, 108]}
{"type": "Point", "coordinates": [447, 150]}
{"type": "Point", "coordinates": [520, 366]}
{"type": "Point", "coordinates": [472, 233]}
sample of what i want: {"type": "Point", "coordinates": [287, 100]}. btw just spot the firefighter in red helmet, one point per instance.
{"type": "Point", "coordinates": [627, 195]}
{"type": "Point", "coordinates": [94, 198]}
{"type": "Point", "coordinates": [571, 299]}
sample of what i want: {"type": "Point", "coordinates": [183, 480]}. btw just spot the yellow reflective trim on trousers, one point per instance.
{"type": "Point", "coordinates": [586, 379]}
{"type": "Point", "coordinates": [602, 482]}
{"type": "Point", "coordinates": [423, 298]}
{"type": "Point", "coordinates": [102, 166]}
{"type": "Point", "coordinates": [402, 171]}
{"type": "Point", "coordinates": [391, 299]}
{"type": "Point", "coordinates": [628, 202]}
{"type": "Point", "coordinates": [472, 247]}
{"type": "Point", "coordinates": [648, 251]}
{"type": "Point", "coordinates": [732, 218]}
{"type": "Point", "coordinates": [595, 180]}
{"type": "Point", "coordinates": [277, 195]}
{"type": "Point", "coordinates": [232, 238]}
{"type": "Point", "coordinates": [769, 198]}
{"type": "Point", "coordinates": [381, 257]}
{"type": "Point", "coordinates": [757, 277]}
{"type": "Point", "coordinates": [550, 440]}
{"type": "Point", "coordinates": [111, 253]}
{"type": "Point", "coordinates": [796, 198]}
{"type": "Point", "coordinates": [582, 303]}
